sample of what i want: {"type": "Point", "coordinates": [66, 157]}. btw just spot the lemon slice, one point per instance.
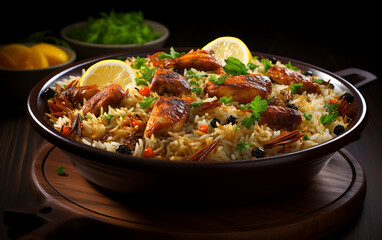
{"type": "Point", "coordinates": [53, 54]}
{"type": "Point", "coordinates": [225, 47]}
{"type": "Point", "coordinates": [107, 72]}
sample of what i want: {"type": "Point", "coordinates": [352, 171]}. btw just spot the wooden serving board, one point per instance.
{"type": "Point", "coordinates": [331, 200]}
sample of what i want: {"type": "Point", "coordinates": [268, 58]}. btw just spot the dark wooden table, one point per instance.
{"type": "Point", "coordinates": [332, 47]}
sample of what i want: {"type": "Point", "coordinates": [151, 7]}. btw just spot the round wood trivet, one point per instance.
{"type": "Point", "coordinates": [332, 199]}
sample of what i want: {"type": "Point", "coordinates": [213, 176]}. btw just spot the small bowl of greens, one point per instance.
{"type": "Point", "coordinates": [113, 32]}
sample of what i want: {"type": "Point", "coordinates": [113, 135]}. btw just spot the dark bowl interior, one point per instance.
{"type": "Point", "coordinates": [202, 182]}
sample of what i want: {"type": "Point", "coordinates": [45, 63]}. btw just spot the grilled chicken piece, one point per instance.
{"type": "Point", "coordinates": [242, 88]}
{"type": "Point", "coordinates": [168, 115]}
{"type": "Point", "coordinates": [281, 117]}
{"type": "Point", "coordinates": [77, 94]}
{"type": "Point", "coordinates": [201, 60]}
{"type": "Point", "coordinates": [109, 95]}
{"type": "Point", "coordinates": [167, 81]}
{"type": "Point", "coordinates": [286, 76]}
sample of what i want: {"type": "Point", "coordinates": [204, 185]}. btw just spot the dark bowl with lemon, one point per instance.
{"type": "Point", "coordinates": [24, 65]}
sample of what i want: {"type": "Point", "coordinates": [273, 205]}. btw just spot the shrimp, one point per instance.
{"type": "Point", "coordinates": [286, 76]}
{"type": "Point", "coordinates": [168, 115]}
{"type": "Point", "coordinates": [280, 117]}
{"type": "Point", "coordinates": [109, 95]}
{"type": "Point", "coordinates": [201, 60]}
{"type": "Point", "coordinates": [242, 88]}
{"type": "Point", "coordinates": [167, 81]}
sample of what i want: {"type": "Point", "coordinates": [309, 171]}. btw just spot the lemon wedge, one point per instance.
{"type": "Point", "coordinates": [53, 54]}
{"type": "Point", "coordinates": [37, 58]}
{"type": "Point", "coordinates": [225, 47]}
{"type": "Point", "coordinates": [107, 72]}
{"type": "Point", "coordinates": [6, 61]}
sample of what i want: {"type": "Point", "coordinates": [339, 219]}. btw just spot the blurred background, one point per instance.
{"type": "Point", "coordinates": [330, 35]}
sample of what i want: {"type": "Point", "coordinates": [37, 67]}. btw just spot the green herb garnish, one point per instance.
{"type": "Point", "coordinates": [147, 101]}
{"type": "Point", "coordinates": [225, 100]}
{"type": "Point", "coordinates": [139, 62]}
{"type": "Point", "coordinates": [251, 66]}
{"type": "Point", "coordinates": [234, 67]}
{"type": "Point", "coordinates": [217, 81]}
{"type": "Point", "coordinates": [197, 90]}
{"type": "Point", "coordinates": [267, 64]}
{"type": "Point", "coordinates": [242, 145]}
{"type": "Point", "coordinates": [108, 117]}
{"type": "Point", "coordinates": [290, 66]}
{"type": "Point", "coordinates": [308, 116]}
{"type": "Point", "coordinates": [319, 81]}
{"type": "Point", "coordinates": [115, 28]}
{"type": "Point", "coordinates": [61, 170]}
{"type": "Point", "coordinates": [195, 104]}
{"type": "Point", "coordinates": [326, 119]}
{"type": "Point", "coordinates": [258, 106]}
{"type": "Point", "coordinates": [305, 137]}
{"type": "Point", "coordinates": [197, 75]}
{"type": "Point", "coordinates": [332, 107]}
{"type": "Point", "coordinates": [295, 87]}
{"type": "Point", "coordinates": [173, 54]}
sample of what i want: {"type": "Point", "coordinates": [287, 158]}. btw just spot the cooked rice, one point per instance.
{"type": "Point", "coordinates": [180, 145]}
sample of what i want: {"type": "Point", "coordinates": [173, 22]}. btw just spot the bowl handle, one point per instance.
{"type": "Point", "coordinates": [47, 221]}
{"type": "Point", "coordinates": [357, 77]}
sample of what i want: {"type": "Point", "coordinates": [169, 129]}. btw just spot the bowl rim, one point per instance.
{"type": "Point", "coordinates": [112, 159]}
{"type": "Point", "coordinates": [68, 51]}
{"type": "Point", "coordinates": [164, 35]}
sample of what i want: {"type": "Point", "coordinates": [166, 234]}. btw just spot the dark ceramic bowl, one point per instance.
{"type": "Point", "coordinates": [19, 82]}
{"type": "Point", "coordinates": [195, 182]}
{"type": "Point", "coordinates": [86, 50]}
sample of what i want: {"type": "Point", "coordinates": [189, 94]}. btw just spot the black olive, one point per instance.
{"type": "Point", "coordinates": [292, 106]}
{"type": "Point", "coordinates": [257, 153]}
{"type": "Point", "coordinates": [231, 119]}
{"type": "Point", "coordinates": [338, 129]}
{"type": "Point", "coordinates": [214, 121]}
{"type": "Point", "coordinates": [348, 97]}
{"type": "Point", "coordinates": [48, 93]}
{"type": "Point", "coordinates": [124, 149]}
{"type": "Point", "coordinates": [308, 73]}
{"type": "Point", "coordinates": [273, 60]}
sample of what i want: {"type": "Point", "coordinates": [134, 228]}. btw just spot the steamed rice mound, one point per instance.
{"type": "Point", "coordinates": [113, 127]}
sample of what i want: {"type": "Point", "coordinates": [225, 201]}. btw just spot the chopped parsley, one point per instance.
{"type": "Point", "coordinates": [326, 119]}
{"type": "Point", "coordinates": [305, 137]}
{"type": "Point", "coordinates": [332, 107]}
{"type": "Point", "coordinates": [195, 104]}
{"type": "Point", "coordinates": [319, 81]}
{"type": "Point", "coordinates": [147, 101]}
{"type": "Point", "coordinates": [242, 145]}
{"type": "Point", "coordinates": [197, 90]}
{"type": "Point", "coordinates": [290, 66]}
{"type": "Point", "coordinates": [138, 63]}
{"type": "Point", "coordinates": [108, 117]}
{"type": "Point", "coordinates": [225, 100]}
{"type": "Point", "coordinates": [197, 75]}
{"type": "Point", "coordinates": [234, 67]}
{"type": "Point", "coordinates": [267, 64]}
{"type": "Point", "coordinates": [308, 116]}
{"type": "Point", "coordinates": [251, 66]}
{"type": "Point", "coordinates": [258, 106]}
{"type": "Point", "coordinates": [61, 170]}
{"type": "Point", "coordinates": [146, 73]}
{"type": "Point", "coordinates": [217, 81]}
{"type": "Point", "coordinates": [173, 54]}
{"type": "Point", "coordinates": [295, 87]}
